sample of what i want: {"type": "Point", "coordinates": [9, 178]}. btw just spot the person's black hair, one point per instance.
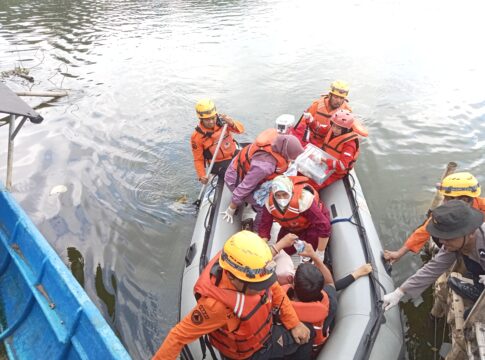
{"type": "Point", "coordinates": [308, 283]}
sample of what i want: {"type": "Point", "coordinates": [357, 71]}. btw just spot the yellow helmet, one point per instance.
{"type": "Point", "coordinates": [459, 184]}
{"type": "Point", "coordinates": [248, 257]}
{"type": "Point", "coordinates": [205, 108]}
{"type": "Point", "coordinates": [339, 88]}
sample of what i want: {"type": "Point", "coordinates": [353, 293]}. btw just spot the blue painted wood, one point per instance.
{"type": "Point", "coordinates": [44, 312]}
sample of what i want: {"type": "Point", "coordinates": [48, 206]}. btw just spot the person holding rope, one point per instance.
{"type": "Point", "coordinates": [206, 136]}
{"type": "Point", "coordinates": [460, 229]}
{"type": "Point", "coordinates": [237, 294]}
{"type": "Point", "coordinates": [459, 186]}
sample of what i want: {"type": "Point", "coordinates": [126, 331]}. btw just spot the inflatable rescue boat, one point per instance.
{"type": "Point", "coordinates": [362, 329]}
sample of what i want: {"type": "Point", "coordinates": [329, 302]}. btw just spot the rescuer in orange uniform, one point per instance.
{"type": "Point", "coordinates": [341, 141]}
{"type": "Point", "coordinates": [316, 119]}
{"type": "Point", "coordinates": [206, 135]}
{"type": "Point", "coordinates": [237, 294]}
{"type": "Point", "coordinates": [459, 186]}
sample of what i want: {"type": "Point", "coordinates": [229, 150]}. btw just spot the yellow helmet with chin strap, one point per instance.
{"type": "Point", "coordinates": [459, 184]}
{"type": "Point", "coordinates": [248, 257]}
{"type": "Point", "coordinates": [205, 108]}
{"type": "Point", "coordinates": [339, 88]}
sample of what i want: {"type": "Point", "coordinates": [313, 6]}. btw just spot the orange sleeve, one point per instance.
{"type": "Point", "coordinates": [313, 108]}
{"type": "Point", "coordinates": [287, 312]}
{"type": "Point", "coordinates": [346, 157]}
{"type": "Point", "coordinates": [418, 238]}
{"type": "Point", "coordinates": [300, 129]}
{"type": "Point", "coordinates": [237, 128]}
{"type": "Point", "coordinates": [208, 315]}
{"type": "Point", "coordinates": [198, 153]}
{"type": "Point", "coordinates": [479, 204]}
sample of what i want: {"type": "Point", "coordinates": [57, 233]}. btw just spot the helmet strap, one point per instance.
{"type": "Point", "coordinates": [245, 287]}
{"type": "Point", "coordinates": [463, 244]}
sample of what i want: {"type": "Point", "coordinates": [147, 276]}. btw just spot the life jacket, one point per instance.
{"type": "Point", "coordinates": [315, 312]}
{"type": "Point", "coordinates": [248, 330]}
{"type": "Point", "coordinates": [209, 143]}
{"type": "Point", "coordinates": [291, 218]}
{"type": "Point", "coordinates": [322, 116]}
{"type": "Point", "coordinates": [242, 161]}
{"type": "Point", "coordinates": [479, 204]}
{"type": "Point", "coordinates": [333, 146]}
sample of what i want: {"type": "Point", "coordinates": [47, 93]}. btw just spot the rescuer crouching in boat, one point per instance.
{"type": "Point", "coordinates": [263, 160]}
{"type": "Point", "coordinates": [237, 294]}
{"type": "Point", "coordinates": [459, 228]}
{"type": "Point", "coordinates": [295, 205]}
{"type": "Point", "coordinates": [206, 136]}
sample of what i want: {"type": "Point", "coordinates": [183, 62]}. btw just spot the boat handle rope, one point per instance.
{"type": "Point", "coordinates": [339, 220]}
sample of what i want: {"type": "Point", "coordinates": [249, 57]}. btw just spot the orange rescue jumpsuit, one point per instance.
{"type": "Point", "coordinates": [200, 143]}
{"type": "Point", "coordinates": [214, 316]}
{"type": "Point", "coordinates": [420, 236]}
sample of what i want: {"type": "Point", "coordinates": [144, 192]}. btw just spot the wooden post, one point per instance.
{"type": "Point", "coordinates": [11, 126]}
{"type": "Point", "coordinates": [438, 198]}
{"type": "Point", "coordinates": [42, 93]}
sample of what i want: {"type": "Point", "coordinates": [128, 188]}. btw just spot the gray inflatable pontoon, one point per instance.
{"type": "Point", "coordinates": [362, 330]}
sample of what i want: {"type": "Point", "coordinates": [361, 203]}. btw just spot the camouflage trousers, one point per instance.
{"type": "Point", "coordinates": [447, 302]}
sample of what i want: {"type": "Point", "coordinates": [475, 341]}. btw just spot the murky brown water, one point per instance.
{"type": "Point", "coordinates": [134, 70]}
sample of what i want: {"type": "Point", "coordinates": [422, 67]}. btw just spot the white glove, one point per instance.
{"type": "Point", "coordinates": [482, 279]}
{"type": "Point", "coordinates": [321, 254]}
{"type": "Point", "coordinates": [307, 116]}
{"type": "Point", "coordinates": [228, 215]}
{"type": "Point", "coordinates": [392, 299]}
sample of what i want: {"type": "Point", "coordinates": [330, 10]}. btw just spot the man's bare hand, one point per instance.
{"type": "Point", "coordinates": [301, 333]}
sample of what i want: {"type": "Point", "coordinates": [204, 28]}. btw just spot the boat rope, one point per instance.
{"type": "Point", "coordinates": [338, 220]}
{"type": "Point", "coordinates": [378, 283]}
{"type": "Point", "coordinates": [377, 318]}
{"type": "Point", "coordinates": [445, 321]}
{"type": "Point", "coordinates": [434, 337]}
{"type": "Point", "coordinates": [212, 199]}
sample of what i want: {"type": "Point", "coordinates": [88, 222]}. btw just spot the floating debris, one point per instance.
{"type": "Point", "coordinates": [58, 189]}
{"type": "Point", "coordinates": [18, 71]}
{"type": "Point", "coordinates": [182, 200]}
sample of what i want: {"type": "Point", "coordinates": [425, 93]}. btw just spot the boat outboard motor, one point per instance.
{"type": "Point", "coordinates": [284, 122]}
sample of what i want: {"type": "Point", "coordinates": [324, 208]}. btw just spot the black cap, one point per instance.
{"type": "Point", "coordinates": [453, 219]}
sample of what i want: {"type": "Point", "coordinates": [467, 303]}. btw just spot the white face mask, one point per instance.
{"type": "Point", "coordinates": [283, 202]}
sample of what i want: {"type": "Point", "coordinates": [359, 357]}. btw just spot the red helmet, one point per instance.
{"type": "Point", "coordinates": [343, 118]}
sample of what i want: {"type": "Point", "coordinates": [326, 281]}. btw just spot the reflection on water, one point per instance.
{"type": "Point", "coordinates": [119, 142]}
{"type": "Point", "coordinates": [426, 334]}
{"type": "Point", "coordinates": [76, 264]}
{"type": "Point", "coordinates": [105, 295]}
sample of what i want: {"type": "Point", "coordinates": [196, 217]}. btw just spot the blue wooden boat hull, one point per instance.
{"type": "Point", "coordinates": [44, 312]}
